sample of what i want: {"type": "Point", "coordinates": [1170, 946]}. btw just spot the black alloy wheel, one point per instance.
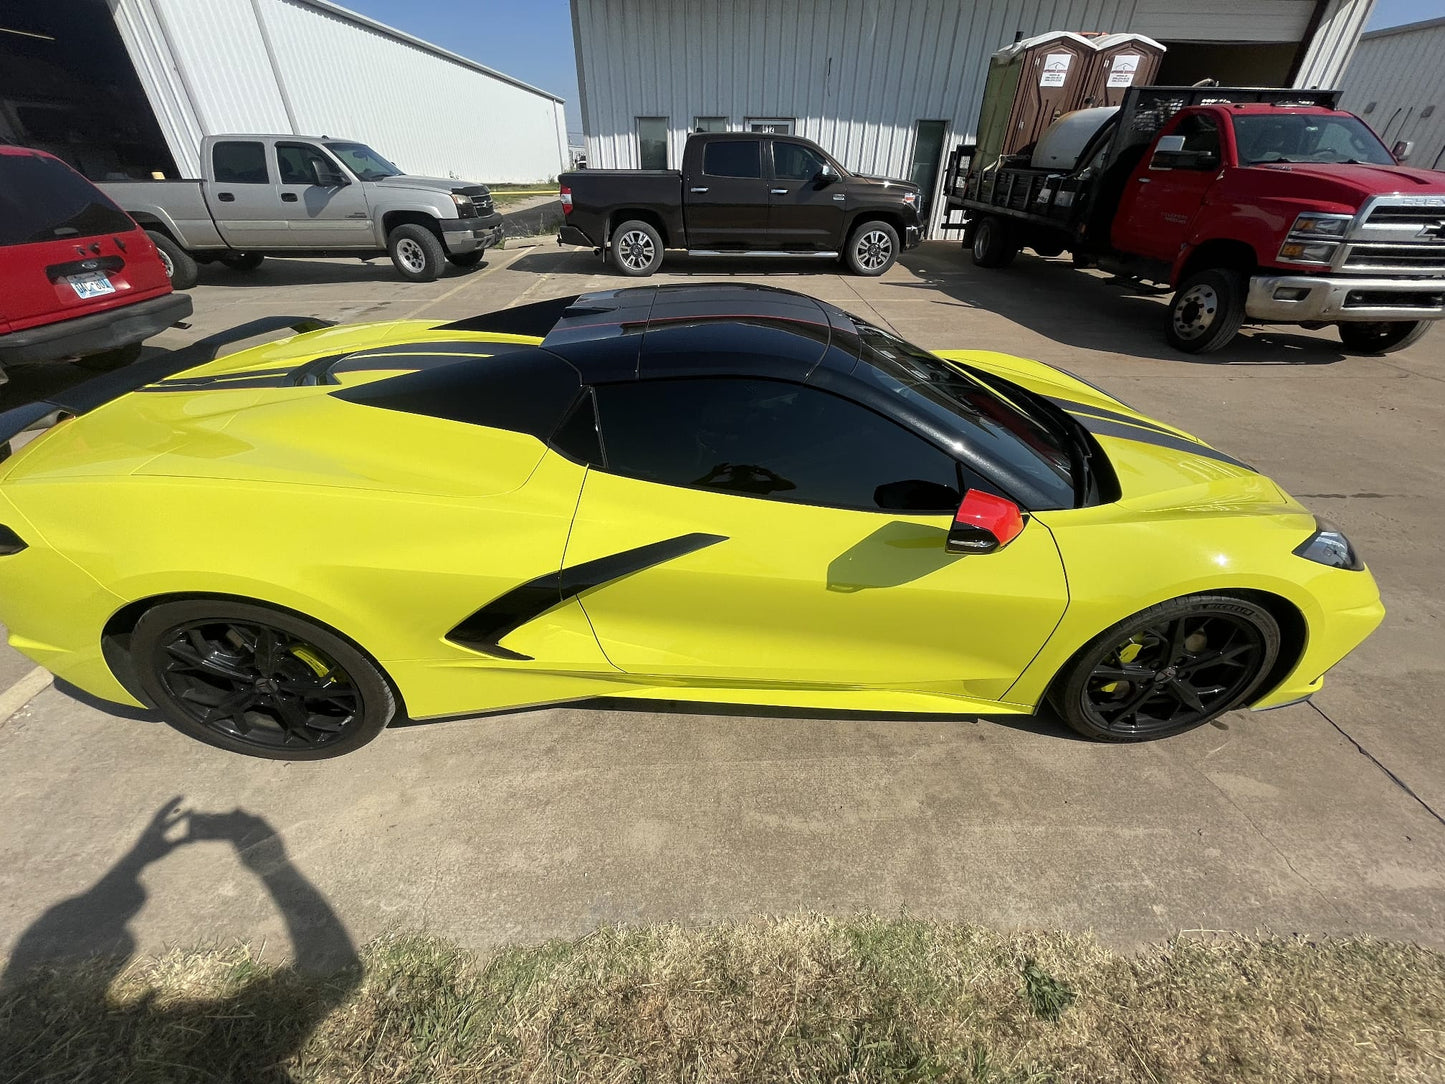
{"type": "Point", "coordinates": [636, 248]}
{"type": "Point", "coordinates": [257, 681]}
{"type": "Point", "coordinates": [1168, 669]}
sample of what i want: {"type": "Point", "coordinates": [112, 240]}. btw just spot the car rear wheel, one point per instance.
{"type": "Point", "coordinates": [180, 268]}
{"type": "Point", "coordinates": [416, 252]}
{"type": "Point", "coordinates": [243, 261]}
{"type": "Point", "coordinates": [1206, 311]}
{"type": "Point", "coordinates": [993, 243]}
{"type": "Point", "coordinates": [1167, 669]}
{"type": "Point", "coordinates": [872, 249]}
{"type": "Point", "coordinates": [636, 248]}
{"type": "Point", "coordinates": [262, 682]}
{"type": "Point", "coordinates": [1383, 337]}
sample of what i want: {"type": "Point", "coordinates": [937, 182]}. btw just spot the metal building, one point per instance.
{"type": "Point", "coordinates": [1397, 83]}
{"type": "Point", "coordinates": [129, 87]}
{"type": "Point", "coordinates": [889, 86]}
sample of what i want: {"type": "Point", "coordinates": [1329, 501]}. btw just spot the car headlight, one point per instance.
{"type": "Point", "coordinates": [465, 207]}
{"type": "Point", "coordinates": [1308, 252]}
{"type": "Point", "coordinates": [1329, 546]}
{"type": "Point", "coordinates": [1313, 225]}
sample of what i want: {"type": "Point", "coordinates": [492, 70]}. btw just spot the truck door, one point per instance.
{"type": "Point", "coordinates": [806, 210]}
{"type": "Point", "coordinates": [726, 199]}
{"type": "Point", "coordinates": [1167, 189]}
{"type": "Point", "coordinates": [324, 207]}
{"type": "Point", "coordinates": [242, 196]}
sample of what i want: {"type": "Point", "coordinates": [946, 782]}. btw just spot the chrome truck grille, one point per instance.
{"type": "Point", "coordinates": [1397, 235]}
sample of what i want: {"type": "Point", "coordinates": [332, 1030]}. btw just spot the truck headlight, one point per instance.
{"type": "Point", "coordinates": [465, 207]}
{"type": "Point", "coordinates": [1315, 225]}
{"type": "Point", "coordinates": [1308, 251]}
{"type": "Point", "coordinates": [1329, 546]}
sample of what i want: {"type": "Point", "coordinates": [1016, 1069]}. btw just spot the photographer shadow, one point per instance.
{"type": "Point", "coordinates": [59, 1018]}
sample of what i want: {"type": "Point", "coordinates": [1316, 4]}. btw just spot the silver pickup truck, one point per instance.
{"type": "Point", "coordinates": [286, 195]}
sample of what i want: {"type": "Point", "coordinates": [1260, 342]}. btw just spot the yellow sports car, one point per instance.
{"type": "Point", "coordinates": [718, 493]}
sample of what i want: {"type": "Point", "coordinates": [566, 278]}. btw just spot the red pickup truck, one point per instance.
{"type": "Point", "coordinates": [1266, 206]}
{"type": "Point", "coordinates": [78, 278]}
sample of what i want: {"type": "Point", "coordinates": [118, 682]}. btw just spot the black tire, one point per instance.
{"type": "Point", "coordinates": [416, 252]}
{"type": "Point", "coordinates": [286, 709]}
{"type": "Point", "coordinates": [1206, 311]}
{"type": "Point", "coordinates": [242, 261]}
{"type": "Point", "coordinates": [466, 260]}
{"type": "Point", "coordinates": [118, 358]}
{"type": "Point", "coordinates": [1384, 337]}
{"type": "Point", "coordinates": [180, 268]}
{"type": "Point", "coordinates": [1154, 661]}
{"type": "Point", "coordinates": [636, 248]}
{"type": "Point", "coordinates": [993, 243]}
{"type": "Point", "coordinates": [1048, 249]}
{"type": "Point", "coordinates": [872, 248]}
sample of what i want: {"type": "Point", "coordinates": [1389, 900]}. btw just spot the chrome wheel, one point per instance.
{"type": "Point", "coordinates": [1195, 310]}
{"type": "Point", "coordinates": [410, 255]}
{"type": "Point", "coordinates": [873, 249]}
{"type": "Point", "coordinates": [258, 685]}
{"type": "Point", "coordinates": [636, 251]}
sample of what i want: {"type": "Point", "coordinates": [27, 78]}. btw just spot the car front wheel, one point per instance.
{"type": "Point", "coordinates": [258, 681]}
{"type": "Point", "coordinates": [1384, 337]}
{"type": "Point", "coordinates": [1167, 669]}
{"type": "Point", "coordinates": [1206, 311]}
{"type": "Point", "coordinates": [872, 249]}
{"type": "Point", "coordinates": [416, 252]}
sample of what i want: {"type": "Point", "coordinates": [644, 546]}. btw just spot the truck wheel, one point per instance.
{"type": "Point", "coordinates": [416, 252]}
{"type": "Point", "coordinates": [1206, 311]}
{"type": "Point", "coordinates": [1384, 337]}
{"type": "Point", "coordinates": [636, 248]}
{"type": "Point", "coordinates": [993, 243]}
{"type": "Point", "coordinates": [466, 260]}
{"type": "Point", "coordinates": [180, 268]}
{"type": "Point", "coordinates": [242, 261]}
{"type": "Point", "coordinates": [110, 359]}
{"type": "Point", "coordinates": [872, 249]}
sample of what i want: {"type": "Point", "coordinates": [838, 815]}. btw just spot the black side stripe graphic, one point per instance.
{"type": "Point", "coordinates": [484, 630]}
{"type": "Point", "coordinates": [1104, 412]}
{"type": "Point", "coordinates": [1103, 428]}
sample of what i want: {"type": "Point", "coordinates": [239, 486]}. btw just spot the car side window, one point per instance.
{"type": "Point", "coordinates": [772, 439]}
{"type": "Point", "coordinates": [733, 158]}
{"type": "Point", "coordinates": [299, 163]}
{"type": "Point", "coordinates": [1201, 135]}
{"type": "Point", "coordinates": [239, 162]}
{"type": "Point", "coordinates": [795, 162]}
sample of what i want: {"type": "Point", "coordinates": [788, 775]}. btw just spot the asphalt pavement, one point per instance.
{"type": "Point", "coordinates": [1319, 818]}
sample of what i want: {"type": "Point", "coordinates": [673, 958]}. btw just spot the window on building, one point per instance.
{"type": "Point", "coordinates": [769, 438]}
{"type": "Point", "coordinates": [652, 142]}
{"type": "Point", "coordinates": [301, 163]}
{"type": "Point", "coordinates": [771, 125]}
{"type": "Point", "coordinates": [927, 159]}
{"type": "Point", "coordinates": [733, 158]}
{"type": "Point", "coordinates": [709, 124]}
{"type": "Point", "coordinates": [237, 162]}
{"type": "Point", "coordinates": [795, 162]}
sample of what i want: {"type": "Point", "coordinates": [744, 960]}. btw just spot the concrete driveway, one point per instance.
{"type": "Point", "coordinates": [1323, 818]}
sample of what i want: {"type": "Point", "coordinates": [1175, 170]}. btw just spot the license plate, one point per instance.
{"type": "Point", "coordinates": [90, 284]}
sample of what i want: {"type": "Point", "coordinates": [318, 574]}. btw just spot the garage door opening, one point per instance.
{"type": "Point", "coordinates": [67, 86]}
{"type": "Point", "coordinates": [1234, 64]}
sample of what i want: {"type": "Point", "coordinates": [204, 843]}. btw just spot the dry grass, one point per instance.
{"type": "Point", "coordinates": [806, 998]}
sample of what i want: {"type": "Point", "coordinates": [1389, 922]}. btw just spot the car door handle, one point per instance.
{"type": "Point", "coordinates": [288, 197]}
{"type": "Point", "coordinates": [699, 190]}
{"type": "Point", "coordinates": [225, 197]}
{"type": "Point", "coordinates": [780, 191]}
{"type": "Point", "coordinates": [840, 199]}
{"type": "Point", "coordinates": [1143, 180]}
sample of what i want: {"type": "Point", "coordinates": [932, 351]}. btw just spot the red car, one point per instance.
{"type": "Point", "coordinates": [78, 278]}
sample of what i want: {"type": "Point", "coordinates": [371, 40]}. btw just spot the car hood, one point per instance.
{"type": "Point", "coordinates": [882, 182]}
{"type": "Point", "coordinates": [1160, 468]}
{"type": "Point", "coordinates": [1350, 185]}
{"type": "Point", "coordinates": [431, 184]}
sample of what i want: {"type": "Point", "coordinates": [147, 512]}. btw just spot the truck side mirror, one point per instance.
{"type": "Point", "coordinates": [1401, 150]}
{"type": "Point", "coordinates": [325, 176]}
{"type": "Point", "coordinates": [826, 176]}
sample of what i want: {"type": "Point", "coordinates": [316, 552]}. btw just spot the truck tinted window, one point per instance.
{"type": "Point", "coordinates": [795, 162]}
{"type": "Point", "coordinates": [237, 162]}
{"type": "Point", "coordinates": [43, 199]}
{"type": "Point", "coordinates": [733, 158]}
{"type": "Point", "coordinates": [768, 438]}
{"type": "Point", "coordinates": [299, 163]}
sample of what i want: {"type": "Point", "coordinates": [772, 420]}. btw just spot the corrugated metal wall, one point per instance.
{"type": "Point", "coordinates": [309, 67]}
{"type": "Point", "coordinates": [1397, 83]}
{"type": "Point", "coordinates": [857, 75]}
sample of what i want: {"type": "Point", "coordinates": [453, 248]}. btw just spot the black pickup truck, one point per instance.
{"type": "Point", "coordinates": [741, 194]}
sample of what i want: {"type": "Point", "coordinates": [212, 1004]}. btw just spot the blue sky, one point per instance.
{"type": "Point", "coordinates": [532, 40]}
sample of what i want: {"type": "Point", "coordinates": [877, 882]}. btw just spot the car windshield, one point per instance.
{"type": "Point", "coordinates": [363, 161]}
{"type": "Point", "coordinates": [1028, 443]}
{"type": "Point", "coordinates": [1307, 137]}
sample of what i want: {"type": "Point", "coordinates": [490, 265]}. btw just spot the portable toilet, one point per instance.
{"type": "Point", "coordinates": [1120, 61]}
{"type": "Point", "coordinates": [1031, 83]}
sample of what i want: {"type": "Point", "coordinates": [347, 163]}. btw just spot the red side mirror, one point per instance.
{"type": "Point", "coordinates": [984, 523]}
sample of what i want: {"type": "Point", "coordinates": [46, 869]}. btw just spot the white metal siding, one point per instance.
{"type": "Point", "coordinates": [856, 75]}
{"type": "Point", "coordinates": [1402, 71]}
{"type": "Point", "coordinates": [1334, 43]}
{"type": "Point", "coordinates": [207, 69]}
